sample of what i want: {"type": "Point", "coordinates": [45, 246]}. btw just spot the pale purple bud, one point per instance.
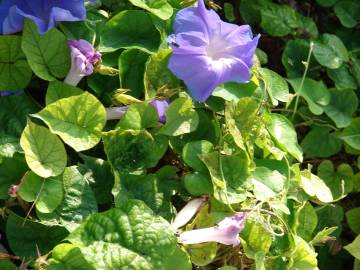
{"type": "Point", "coordinates": [83, 58]}
{"type": "Point", "coordinates": [226, 232]}
{"type": "Point", "coordinates": [114, 113]}
{"type": "Point", "coordinates": [160, 106]}
{"type": "Point", "coordinates": [189, 210]}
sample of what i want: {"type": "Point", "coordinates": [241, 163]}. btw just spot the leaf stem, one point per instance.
{"type": "Point", "coordinates": [307, 64]}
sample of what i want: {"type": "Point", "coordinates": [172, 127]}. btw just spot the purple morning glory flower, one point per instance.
{"type": "Point", "coordinates": [44, 13]}
{"type": "Point", "coordinates": [226, 232]}
{"type": "Point", "coordinates": [187, 212]}
{"type": "Point", "coordinates": [83, 58]}
{"type": "Point", "coordinates": [208, 52]}
{"type": "Point", "coordinates": [160, 106]}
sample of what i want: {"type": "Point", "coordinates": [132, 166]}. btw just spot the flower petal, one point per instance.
{"type": "Point", "coordinates": [45, 13]}
{"type": "Point", "coordinates": [10, 21]}
{"type": "Point", "coordinates": [211, 234]}
{"type": "Point", "coordinates": [114, 113]}
{"type": "Point", "coordinates": [186, 213]}
{"type": "Point", "coordinates": [188, 43]}
{"type": "Point", "coordinates": [160, 107]}
{"type": "Point", "coordinates": [202, 75]}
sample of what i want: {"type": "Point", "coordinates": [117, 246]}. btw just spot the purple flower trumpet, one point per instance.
{"type": "Point", "coordinates": [226, 232]}
{"type": "Point", "coordinates": [83, 58]}
{"type": "Point", "coordinates": [208, 52]}
{"type": "Point", "coordinates": [44, 13]}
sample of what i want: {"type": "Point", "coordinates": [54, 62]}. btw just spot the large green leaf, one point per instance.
{"type": "Point", "coordinates": [275, 85]}
{"type": "Point", "coordinates": [303, 257]}
{"type": "Point", "coordinates": [78, 120]}
{"type": "Point", "coordinates": [155, 190]}
{"type": "Point", "coordinates": [330, 51]}
{"type": "Point", "coordinates": [58, 90]}
{"type": "Point", "coordinates": [232, 91]}
{"type": "Point", "coordinates": [351, 134]}
{"type": "Point", "coordinates": [130, 29]}
{"type": "Point", "coordinates": [342, 106]}
{"type": "Point", "coordinates": [354, 248]}
{"type": "Point", "coordinates": [229, 184]}
{"type": "Point", "coordinates": [343, 77]}
{"type": "Point", "coordinates": [11, 171]}
{"type": "Point", "coordinates": [321, 142]}
{"type": "Point", "coordinates": [129, 236]}
{"type": "Point", "coordinates": [294, 55]}
{"type": "Point", "coordinates": [133, 150]}
{"type": "Point", "coordinates": [25, 237]}
{"type": "Point", "coordinates": [307, 221]}
{"type": "Point", "coordinates": [348, 12]}
{"type": "Point", "coordinates": [315, 93]}
{"type": "Point", "coordinates": [330, 216]}
{"type": "Point", "coordinates": [314, 186]}
{"type": "Point", "coordinates": [160, 8]}
{"type": "Point", "coordinates": [158, 76]}
{"type": "Point", "coordinates": [267, 183]}
{"type": "Point", "coordinates": [47, 193]}
{"type": "Point", "coordinates": [197, 184]}
{"type": "Point", "coordinates": [48, 54]}
{"type": "Point", "coordinates": [15, 72]}
{"type": "Point", "coordinates": [77, 203]}
{"type": "Point", "coordinates": [283, 132]}
{"type": "Point", "coordinates": [179, 260]}
{"type": "Point", "coordinates": [255, 238]}
{"type": "Point", "coordinates": [181, 118]}
{"type": "Point", "coordinates": [13, 113]}
{"type": "Point", "coordinates": [340, 181]}
{"type": "Point", "coordinates": [44, 152]}
{"type": "Point", "coordinates": [193, 150]}
{"type": "Point", "coordinates": [278, 20]}
{"type": "Point", "coordinates": [101, 178]}
{"type": "Point", "coordinates": [243, 122]}
{"type": "Point", "coordinates": [132, 68]}
{"type": "Point", "coordinates": [353, 219]}
{"type": "Point", "coordinates": [67, 257]}
{"type": "Point", "coordinates": [139, 116]}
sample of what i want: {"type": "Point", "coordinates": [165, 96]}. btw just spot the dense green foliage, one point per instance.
{"type": "Point", "coordinates": [80, 193]}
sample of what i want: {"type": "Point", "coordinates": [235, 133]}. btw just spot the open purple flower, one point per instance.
{"type": "Point", "coordinates": [83, 58]}
{"type": "Point", "coordinates": [226, 232]}
{"type": "Point", "coordinates": [44, 13]}
{"type": "Point", "coordinates": [208, 51]}
{"type": "Point", "coordinates": [160, 106]}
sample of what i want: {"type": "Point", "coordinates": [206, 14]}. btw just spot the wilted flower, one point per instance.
{"type": "Point", "coordinates": [226, 232]}
{"type": "Point", "coordinates": [83, 58]}
{"type": "Point", "coordinates": [159, 105]}
{"type": "Point", "coordinates": [44, 13]}
{"type": "Point", "coordinates": [187, 212]}
{"type": "Point", "coordinates": [208, 51]}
